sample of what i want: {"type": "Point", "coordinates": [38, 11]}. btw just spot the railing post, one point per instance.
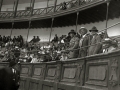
{"type": "Point", "coordinates": [47, 5]}
{"type": "Point", "coordinates": [108, 2]}
{"type": "Point", "coordinates": [16, 6]}
{"type": "Point", "coordinates": [78, 2]}
{"type": "Point", "coordinates": [1, 2]}
{"type": "Point", "coordinates": [32, 2]}
{"type": "Point", "coordinates": [77, 21]}
{"type": "Point", "coordinates": [51, 29]}
{"type": "Point", "coordinates": [55, 5]}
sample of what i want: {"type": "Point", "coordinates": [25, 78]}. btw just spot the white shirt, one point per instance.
{"type": "Point", "coordinates": [81, 40]}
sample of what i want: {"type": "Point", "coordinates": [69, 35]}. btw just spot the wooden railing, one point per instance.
{"type": "Point", "coordinates": [98, 72]}
{"type": "Point", "coordinates": [47, 10]}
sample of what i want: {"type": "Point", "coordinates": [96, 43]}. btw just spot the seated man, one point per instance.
{"type": "Point", "coordinates": [109, 45]}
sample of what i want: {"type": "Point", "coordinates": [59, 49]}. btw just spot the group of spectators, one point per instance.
{"type": "Point", "coordinates": [35, 39]}
{"type": "Point", "coordinates": [73, 3]}
{"type": "Point", "coordinates": [83, 44]}
{"type": "Point", "coordinates": [65, 47]}
{"type": "Point", "coordinates": [7, 41]}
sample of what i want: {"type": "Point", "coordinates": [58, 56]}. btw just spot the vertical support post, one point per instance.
{"type": "Point", "coordinates": [55, 5]}
{"type": "Point", "coordinates": [11, 29]}
{"type": "Point", "coordinates": [78, 2]}
{"type": "Point", "coordinates": [106, 35]}
{"type": "Point", "coordinates": [32, 2]}
{"type": "Point", "coordinates": [1, 2]}
{"type": "Point", "coordinates": [47, 5]}
{"type": "Point", "coordinates": [77, 21]}
{"type": "Point", "coordinates": [51, 29]}
{"type": "Point", "coordinates": [28, 30]}
{"type": "Point", "coordinates": [15, 7]}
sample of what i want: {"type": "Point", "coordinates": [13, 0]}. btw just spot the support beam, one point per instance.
{"type": "Point", "coordinates": [51, 29]}
{"type": "Point", "coordinates": [47, 5]}
{"type": "Point", "coordinates": [77, 21]}
{"type": "Point", "coordinates": [106, 35]}
{"type": "Point", "coordinates": [15, 7]}
{"type": "Point", "coordinates": [1, 2]}
{"type": "Point", "coordinates": [55, 5]}
{"type": "Point", "coordinates": [28, 30]}
{"type": "Point", "coordinates": [32, 6]}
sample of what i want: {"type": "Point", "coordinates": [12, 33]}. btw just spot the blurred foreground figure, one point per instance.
{"type": "Point", "coordinates": [9, 77]}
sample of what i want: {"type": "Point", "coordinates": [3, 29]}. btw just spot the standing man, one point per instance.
{"type": "Point", "coordinates": [83, 43]}
{"type": "Point", "coordinates": [73, 45]}
{"type": "Point", "coordinates": [9, 77]}
{"type": "Point", "coordinates": [94, 42]}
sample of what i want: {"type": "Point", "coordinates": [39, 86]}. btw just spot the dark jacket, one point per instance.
{"type": "Point", "coordinates": [9, 80]}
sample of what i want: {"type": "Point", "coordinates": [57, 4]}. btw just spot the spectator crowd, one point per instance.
{"type": "Point", "coordinates": [73, 45]}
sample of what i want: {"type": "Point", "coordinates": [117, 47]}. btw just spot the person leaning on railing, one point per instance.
{"type": "Point", "coordinates": [95, 47]}
{"type": "Point", "coordinates": [83, 43]}
{"type": "Point", "coordinates": [74, 44]}
{"type": "Point", "coordinates": [109, 45]}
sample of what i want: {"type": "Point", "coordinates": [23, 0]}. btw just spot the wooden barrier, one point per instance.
{"type": "Point", "coordinates": [98, 72]}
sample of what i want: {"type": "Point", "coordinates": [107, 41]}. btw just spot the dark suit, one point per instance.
{"type": "Point", "coordinates": [95, 47]}
{"type": "Point", "coordinates": [82, 45]}
{"type": "Point", "coordinates": [9, 80]}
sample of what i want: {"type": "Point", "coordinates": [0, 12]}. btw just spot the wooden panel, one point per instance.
{"type": "Point", "coordinates": [37, 71]}
{"type": "Point", "coordinates": [69, 73]}
{"type": "Point", "coordinates": [24, 70]}
{"type": "Point", "coordinates": [33, 86]}
{"type": "Point", "coordinates": [46, 87]}
{"type": "Point", "coordinates": [51, 72]}
{"type": "Point", "coordinates": [97, 73]}
{"type": "Point", "coordinates": [22, 85]}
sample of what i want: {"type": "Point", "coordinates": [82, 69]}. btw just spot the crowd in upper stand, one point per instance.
{"type": "Point", "coordinates": [73, 45]}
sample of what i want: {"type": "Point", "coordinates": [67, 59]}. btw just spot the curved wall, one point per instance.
{"type": "Point", "coordinates": [44, 33]}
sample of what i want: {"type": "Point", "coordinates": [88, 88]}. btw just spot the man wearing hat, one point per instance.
{"type": "Point", "coordinates": [109, 45]}
{"type": "Point", "coordinates": [94, 42]}
{"type": "Point", "coordinates": [83, 43]}
{"type": "Point", "coordinates": [73, 45]}
{"type": "Point", "coordinates": [9, 77]}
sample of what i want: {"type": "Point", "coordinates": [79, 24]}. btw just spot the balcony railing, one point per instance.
{"type": "Point", "coordinates": [47, 10]}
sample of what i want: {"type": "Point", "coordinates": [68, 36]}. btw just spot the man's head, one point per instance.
{"type": "Point", "coordinates": [83, 31]}
{"type": "Point", "coordinates": [12, 63]}
{"type": "Point", "coordinates": [72, 33]}
{"type": "Point", "coordinates": [93, 31]}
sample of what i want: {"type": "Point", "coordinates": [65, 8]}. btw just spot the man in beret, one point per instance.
{"type": "Point", "coordinates": [73, 45]}
{"type": "Point", "coordinates": [94, 42]}
{"type": "Point", "coordinates": [9, 77]}
{"type": "Point", "coordinates": [83, 43]}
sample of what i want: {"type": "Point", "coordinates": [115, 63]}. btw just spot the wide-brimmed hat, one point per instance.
{"type": "Point", "coordinates": [82, 28]}
{"type": "Point", "coordinates": [72, 31]}
{"type": "Point", "coordinates": [94, 29]}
